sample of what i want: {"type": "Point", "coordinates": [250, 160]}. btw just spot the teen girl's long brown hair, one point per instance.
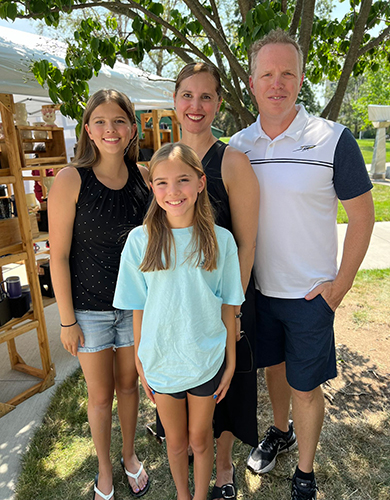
{"type": "Point", "coordinates": [204, 245]}
{"type": "Point", "coordinates": [87, 154]}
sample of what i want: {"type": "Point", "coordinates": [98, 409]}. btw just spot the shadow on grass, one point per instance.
{"type": "Point", "coordinates": [352, 462]}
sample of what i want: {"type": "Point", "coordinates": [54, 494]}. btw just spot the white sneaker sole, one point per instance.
{"type": "Point", "coordinates": [253, 465]}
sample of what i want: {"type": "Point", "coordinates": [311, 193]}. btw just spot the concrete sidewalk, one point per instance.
{"type": "Point", "coordinates": [18, 426]}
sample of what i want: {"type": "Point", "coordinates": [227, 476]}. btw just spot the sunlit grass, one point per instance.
{"type": "Point", "coordinates": [367, 149]}
{"type": "Point", "coordinates": [381, 196]}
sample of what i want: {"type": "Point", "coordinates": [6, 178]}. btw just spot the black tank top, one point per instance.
{"type": "Point", "coordinates": [103, 219]}
{"type": "Point", "coordinates": [212, 162]}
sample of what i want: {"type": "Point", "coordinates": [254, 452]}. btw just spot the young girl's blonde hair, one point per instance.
{"type": "Point", "coordinates": [204, 246]}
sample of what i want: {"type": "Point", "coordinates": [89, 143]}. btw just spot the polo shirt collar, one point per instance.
{"type": "Point", "coordinates": [295, 129]}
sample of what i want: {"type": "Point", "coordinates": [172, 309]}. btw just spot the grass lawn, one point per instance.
{"type": "Point", "coordinates": [367, 149]}
{"type": "Point", "coordinates": [352, 460]}
{"type": "Point", "coordinates": [381, 195]}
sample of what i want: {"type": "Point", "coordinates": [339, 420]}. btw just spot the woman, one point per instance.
{"type": "Point", "coordinates": [92, 205]}
{"type": "Point", "coordinates": [234, 192]}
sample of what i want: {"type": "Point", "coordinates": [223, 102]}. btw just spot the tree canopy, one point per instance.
{"type": "Point", "coordinates": [204, 30]}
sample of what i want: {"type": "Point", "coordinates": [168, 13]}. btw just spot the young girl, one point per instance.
{"type": "Point", "coordinates": [92, 204]}
{"type": "Point", "coordinates": [180, 274]}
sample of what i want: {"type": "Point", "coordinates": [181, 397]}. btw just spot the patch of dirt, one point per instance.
{"type": "Point", "coordinates": [371, 341]}
{"type": "Point", "coordinates": [363, 360]}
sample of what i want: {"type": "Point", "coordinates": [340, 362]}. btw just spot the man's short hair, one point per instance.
{"type": "Point", "coordinates": [274, 36]}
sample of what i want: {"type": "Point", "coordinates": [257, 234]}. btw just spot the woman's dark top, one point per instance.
{"type": "Point", "coordinates": [219, 198]}
{"type": "Point", "coordinates": [103, 218]}
{"type": "Point", "coordinates": [237, 412]}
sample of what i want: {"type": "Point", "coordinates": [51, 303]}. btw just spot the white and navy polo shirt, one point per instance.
{"type": "Point", "coordinates": [302, 173]}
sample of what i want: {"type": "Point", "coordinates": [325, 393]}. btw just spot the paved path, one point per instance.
{"type": "Point", "coordinates": [17, 427]}
{"type": "Point", "coordinates": [378, 254]}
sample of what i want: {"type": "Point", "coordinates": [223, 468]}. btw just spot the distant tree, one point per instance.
{"type": "Point", "coordinates": [307, 97]}
{"type": "Point", "coordinates": [348, 115]}
{"type": "Point", "coordinates": [374, 89]}
{"type": "Point", "coordinates": [368, 88]}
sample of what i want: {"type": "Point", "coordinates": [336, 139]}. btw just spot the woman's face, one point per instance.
{"type": "Point", "coordinates": [197, 102]}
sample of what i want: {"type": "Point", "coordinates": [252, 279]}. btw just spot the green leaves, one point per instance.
{"type": "Point", "coordinates": [8, 10]}
{"type": "Point", "coordinates": [266, 16]}
{"type": "Point", "coordinates": [96, 43]}
{"type": "Point", "coordinates": [156, 8]}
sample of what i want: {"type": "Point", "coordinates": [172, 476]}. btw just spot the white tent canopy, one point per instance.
{"type": "Point", "coordinates": [19, 49]}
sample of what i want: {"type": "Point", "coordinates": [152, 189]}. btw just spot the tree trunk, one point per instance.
{"type": "Point", "coordinates": [296, 18]}
{"type": "Point", "coordinates": [328, 107]}
{"type": "Point", "coordinates": [245, 6]}
{"type": "Point", "coordinates": [306, 28]}
{"type": "Point", "coordinates": [350, 59]}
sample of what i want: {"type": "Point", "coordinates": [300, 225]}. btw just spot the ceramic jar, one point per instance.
{"type": "Point", "coordinates": [20, 113]}
{"type": "Point", "coordinates": [49, 116]}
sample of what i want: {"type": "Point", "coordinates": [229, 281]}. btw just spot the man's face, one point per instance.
{"type": "Point", "coordinates": [276, 82]}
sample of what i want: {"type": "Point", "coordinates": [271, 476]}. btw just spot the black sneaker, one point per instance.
{"type": "Point", "coordinates": [303, 489]}
{"type": "Point", "coordinates": [263, 458]}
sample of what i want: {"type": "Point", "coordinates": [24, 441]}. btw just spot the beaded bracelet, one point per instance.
{"type": "Point", "coordinates": [239, 315]}
{"type": "Point", "coordinates": [68, 326]}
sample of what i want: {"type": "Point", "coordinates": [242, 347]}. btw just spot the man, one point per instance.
{"type": "Point", "coordinates": [304, 164]}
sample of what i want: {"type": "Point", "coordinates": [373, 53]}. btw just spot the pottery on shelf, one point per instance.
{"type": "Point", "coordinates": [48, 116]}
{"type": "Point", "coordinates": [39, 134]}
{"type": "Point", "coordinates": [20, 113]}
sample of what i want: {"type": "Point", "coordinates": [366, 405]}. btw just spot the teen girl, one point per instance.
{"type": "Point", "coordinates": [92, 204]}
{"type": "Point", "coordinates": [180, 274]}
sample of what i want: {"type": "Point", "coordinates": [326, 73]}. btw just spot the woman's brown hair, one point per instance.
{"type": "Point", "coordinates": [196, 68]}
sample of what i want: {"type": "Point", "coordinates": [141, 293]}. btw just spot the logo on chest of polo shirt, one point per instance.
{"type": "Point", "coordinates": [305, 148]}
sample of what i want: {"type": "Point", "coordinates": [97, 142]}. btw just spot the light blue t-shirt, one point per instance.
{"type": "Point", "coordinates": [183, 337]}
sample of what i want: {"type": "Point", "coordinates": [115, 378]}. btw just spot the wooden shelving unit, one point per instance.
{"type": "Point", "coordinates": [54, 156]}
{"type": "Point", "coordinates": [11, 173]}
{"type": "Point", "coordinates": [155, 136]}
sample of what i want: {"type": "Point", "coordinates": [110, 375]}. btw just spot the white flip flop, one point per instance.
{"type": "Point", "coordinates": [142, 492]}
{"type": "Point", "coordinates": [96, 490]}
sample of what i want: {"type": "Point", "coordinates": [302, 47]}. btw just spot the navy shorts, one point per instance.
{"type": "Point", "coordinates": [299, 332]}
{"type": "Point", "coordinates": [203, 390]}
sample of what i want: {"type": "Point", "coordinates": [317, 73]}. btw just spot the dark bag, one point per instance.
{"type": "Point", "coordinates": [244, 355]}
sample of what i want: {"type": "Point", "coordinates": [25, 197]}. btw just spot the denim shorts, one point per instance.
{"type": "Point", "coordinates": [299, 332]}
{"type": "Point", "coordinates": [105, 329]}
{"type": "Point", "coordinates": [203, 390]}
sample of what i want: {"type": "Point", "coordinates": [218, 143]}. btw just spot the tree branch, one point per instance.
{"type": "Point", "coordinates": [351, 58]}
{"type": "Point", "coordinates": [374, 42]}
{"type": "Point", "coordinates": [306, 28]}
{"type": "Point", "coordinates": [325, 112]}
{"type": "Point", "coordinates": [196, 9]}
{"type": "Point", "coordinates": [296, 18]}
{"type": "Point", "coordinates": [245, 6]}
{"type": "Point", "coordinates": [217, 19]}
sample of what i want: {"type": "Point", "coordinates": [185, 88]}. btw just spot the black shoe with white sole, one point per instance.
{"type": "Point", "coordinates": [303, 489]}
{"type": "Point", "coordinates": [263, 458]}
